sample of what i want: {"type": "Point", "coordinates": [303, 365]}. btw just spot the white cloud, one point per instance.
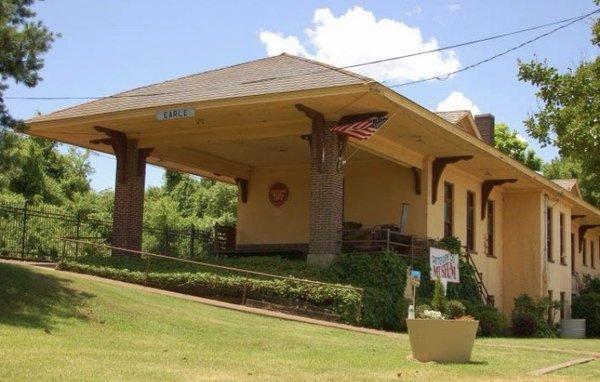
{"type": "Point", "coordinates": [454, 7]}
{"type": "Point", "coordinates": [358, 36]}
{"type": "Point", "coordinates": [521, 138]}
{"type": "Point", "coordinates": [416, 10]}
{"type": "Point", "coordinates": [458, 101]}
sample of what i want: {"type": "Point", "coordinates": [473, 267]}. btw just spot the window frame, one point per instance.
{"type": "Point", "coordinates": [562, 233]}
{"type": "Point", "coordinates": [448, 204]}
{"type": "Point", "coordinates": [470, 226]}
{"type": "Point", "coordinates": [549, 234]}
{"type": "Point", "coordinates": [491, 228]}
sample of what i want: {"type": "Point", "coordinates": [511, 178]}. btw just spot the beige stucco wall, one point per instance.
{"type": "Point", "coordinates": [490, 267]}
{"type": "Point", "coordinates": [522, 251]}
{"type": "Point", "coordinates": [590, 235]}
{"type": "Point", "coordinates": [374, 193]}
{"type": "Point", "coordinates": [260, 222]}
{"type": "Point", "coordinates": [558, 276]}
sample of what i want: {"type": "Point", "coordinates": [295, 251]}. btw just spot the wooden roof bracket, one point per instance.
{"type": "Point", "coordinates": [417, 177]}
{"type": "Point", "coordinates": [317, 136]}
{"type": "Point", "coordinates": [143, 154]}
{"type": "Point", "coordinates": [437, 169]}
{"type": "Point", "coordinates": [242, 185]}
{"type": "Point", "coordinates": [118, 141]}
{"type": "Point", "coordinates": [584, 228]}
{"type": "Point", "coordinates": [486, 189]}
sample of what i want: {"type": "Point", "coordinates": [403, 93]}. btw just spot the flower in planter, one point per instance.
{"type": "Point", "coordinates": [432, 315]}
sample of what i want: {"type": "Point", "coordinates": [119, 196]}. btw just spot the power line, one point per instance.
{"type": "Point", "coordinates": [568, 21]}
{"type": "Point", "coordinates": [505, 52]}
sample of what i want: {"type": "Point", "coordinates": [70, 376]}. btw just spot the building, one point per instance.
{"type": "Point", "coordinates": [266, 126]}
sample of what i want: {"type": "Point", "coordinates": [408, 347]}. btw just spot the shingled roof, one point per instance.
{"type": "Point", "coordinates": [453, 116]}
{"type": "Point", "coordinates": [277, 74]}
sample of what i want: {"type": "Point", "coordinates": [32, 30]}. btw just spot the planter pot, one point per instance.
{"type": "Point", "coordinates": [442, 340]}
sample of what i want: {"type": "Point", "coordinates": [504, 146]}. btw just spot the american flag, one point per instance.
{"type": "Point", "coordinates": [362, 130]}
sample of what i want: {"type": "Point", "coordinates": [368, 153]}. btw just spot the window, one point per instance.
{"type": "Point", "coordinates": [448, 209]}
{"type": "Point", "coordinates": [584, 251]}
{"type": "Point", "coordinates": [563, 303]}
{"type": "Point", "coordinates": [490, 228]}
{"type": "Point", "coordinates": [549, 233]}
{"type": "Point", "coordinates": [593, 253]}
{"type": "Point", "coordinates": [470, 221]}
{"type": "Point", "coordinates": [563, 255]}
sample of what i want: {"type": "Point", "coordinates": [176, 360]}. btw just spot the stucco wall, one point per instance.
{"type": "Point", "coordinates": [260, 222]}
{"type": "Point", "coordinates": [558, 276]}
{"type": "Point", "coordinates": [490, 267]}
{"type": "Point", "coordinates": [590, 235]}
{"type": "Point", "coordinates": [522, 271]}
{"type": "Point", "coordinates": [375, 191]}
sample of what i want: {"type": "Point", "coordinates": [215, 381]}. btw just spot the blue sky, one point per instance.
{"type": "Point", "coordinates": [110, 46]}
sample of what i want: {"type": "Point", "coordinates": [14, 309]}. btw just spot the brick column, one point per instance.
{"type": "Point", "coordinates": [326, 194]}
{"type": "Point", "coordinates": [129, 188]}
{"type": "Point", "coordinates": [129, 196]}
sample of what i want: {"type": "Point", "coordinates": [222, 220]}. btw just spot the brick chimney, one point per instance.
{"type": "Point", "coordinates": [486, 125]}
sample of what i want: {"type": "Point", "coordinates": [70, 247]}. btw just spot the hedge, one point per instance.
{"type": "Point", "coordinates": [587, 306]}
{"type": "Point", "coordinates": [340, 300]}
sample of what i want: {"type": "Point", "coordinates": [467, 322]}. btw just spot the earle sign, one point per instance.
{"type": "Point", "coordinates": [165, 115]}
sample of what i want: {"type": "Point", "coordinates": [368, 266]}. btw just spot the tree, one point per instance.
{"type": "Point", "coordinates": [23, 42]}
{"type": "Point", "coordinates": [569, 115]}
{"type": "Point", "coordinates": [510, 143]}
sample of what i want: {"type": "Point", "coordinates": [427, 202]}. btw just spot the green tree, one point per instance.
{"type": "Point", "coordinates": [569, 115]}
{"type": "Point", "coordinates": [23, 41]}
{"type": "Point", "coordinates": [509, 142]}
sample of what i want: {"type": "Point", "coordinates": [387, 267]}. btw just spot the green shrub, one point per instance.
{"type": "Point", "coordinates": [587, 306]}
{"type": "Point", "coordinates": [590, 285]}
{"type": "Point", "coordinates": [438, 298]}
{"type": "Point", "coordinates": [339, 300]}
{"type": "Point", "coordinates": [420, 309]}
{"type": "Point", "coordinates": [383, 278]}
{"type": "Point", "coordinates": [454, 309]}
{"type": "Point", "coordinates": [524, 325]}
{"type": "Point", "coordinates": [492, 322]}
{"type": "Point", "coordinates": [528, 310]}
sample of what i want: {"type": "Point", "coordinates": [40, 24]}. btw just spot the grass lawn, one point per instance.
{"type": "Point", "coordinates": [58, 327]}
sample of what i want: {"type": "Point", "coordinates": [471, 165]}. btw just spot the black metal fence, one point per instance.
{"type": "Point", "coordinates": [31, 233]}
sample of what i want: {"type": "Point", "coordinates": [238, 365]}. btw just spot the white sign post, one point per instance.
{"type": "Point", "coordinates": [444, 265]}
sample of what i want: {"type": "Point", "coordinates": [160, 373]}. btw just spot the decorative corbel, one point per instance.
{"type": "Point", "coordinates": [417, 177]}
{"type": "Point", "coordinates": [143, 154]}
{"type": "Point", "coordinates": [118, 141]}
{"type": "Point", "coordinates": [437, 169]}
{"type": "Point", "coordinates": [486, 189]}
{"type": "Point", "coordinates": [242, 185]}
{"type": "Point", "coordinates": [317, 138]}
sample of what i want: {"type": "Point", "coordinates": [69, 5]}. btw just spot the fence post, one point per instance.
{"type": "Point", "coordinates": [77, 235]}
{"type": "Point", "coordinates": [24, 230]}
{"type": "Point", "coordinates": [387, 242]}
{"type": "Point", "coordinates": [192, 238]}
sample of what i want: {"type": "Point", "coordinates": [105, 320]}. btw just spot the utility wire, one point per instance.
{"type": "Point", "coordinates": [505, 52]}
{"type": "Point", "coordinates": [568, 21]}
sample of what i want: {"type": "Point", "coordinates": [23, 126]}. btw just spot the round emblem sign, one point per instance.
{"type": "Point", "coordinates": [278, 194]}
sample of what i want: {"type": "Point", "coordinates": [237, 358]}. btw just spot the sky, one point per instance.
{"type": "Point", "coordinates": [110, 46]}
